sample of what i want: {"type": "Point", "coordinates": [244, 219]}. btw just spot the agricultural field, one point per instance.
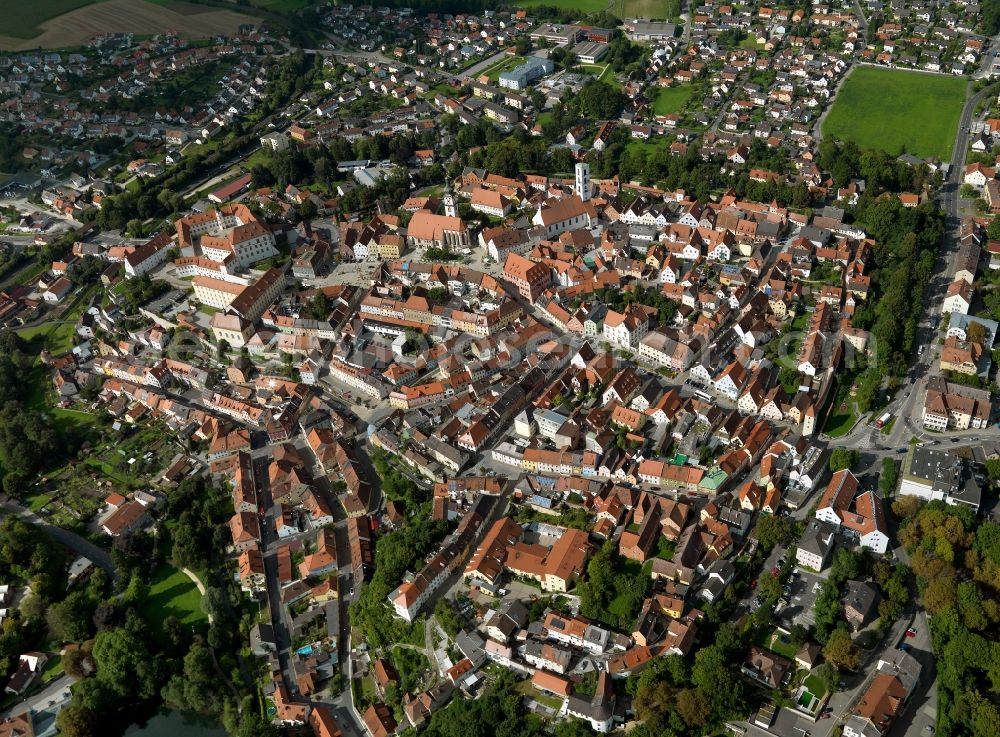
{"type": "Point", "coordinates": [50, 24]}
{"type": "Point", "coordinates": [672, 99]}
{"type": "Point", "coordinates": [898, 111]}
{"type": "Point", "coordinates": [584, 6]}
{"type": "Point", "coordinates": [281, 6]}
{"type": "Point", "coordinates": [24, 20]}
{"type": "Point", "coordinates": [660, 9]}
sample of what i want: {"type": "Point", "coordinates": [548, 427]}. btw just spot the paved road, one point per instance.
{"type": "Point", "coordinates": [862, 20]}
{"type": "Point", "coordinates": [71, 540]}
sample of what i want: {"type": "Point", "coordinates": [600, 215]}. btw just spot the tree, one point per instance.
{"type": "Point", "coordinates": [975, 332]}
{"type": "Point", "coordinates": [712, 676]}
{"type": "Point", "coordinates": [254, 725]}
{"type": "Point", "coordinates": [828, 675]}
{"type": "Point", "coordinates": [993, 231]}
{"type": "Point", "coordinates": [993, 469]}
{"type": "Point", "coordinates": [906, 507]}
{"type": "Point", "coordinates": [77, 721]}
{"type": "Point", "coordinates": [940, 593]}
{"type": "Point", "coordinates": [78, 663]}
{"type": "Point", "coordinates": [842, 458]}
{"type": "Point", "coordinates": [841, 651]}
{"type": "Point", "coordinates": [71, 620]}
{"type": "Point", "coordinates": [693, 708]}
{"type": "Point", "coordinates": [845, 565]}
{"type": "Point", "coordinates": [772, 530]}
{"type": "Point", "coordinates": [124, 666]}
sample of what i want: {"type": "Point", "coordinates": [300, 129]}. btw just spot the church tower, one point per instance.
{"type": "Point", "coordinates": [583, 180]}
{"type": "Point", "coordinates": [449, 202]}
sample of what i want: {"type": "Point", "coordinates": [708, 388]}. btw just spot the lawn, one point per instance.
{"type": "Point", "coordinates": [636, 145]}
{"type": "Point", "coordinates": [776, 644]}
{"type": "Point", "coordinates": [37, 501]}
{"type": "Point", "coordinates": [526, 689]}
{"type": "Point", "coordinates": [672, 99]}
{"type": "Point", "coordinates": [502, 66]}
{"type": "Point", "coordinates": [840, 421]}
{"type": "Point", "coordinates": [815, 685]}
{"type": "Point", "coordinates": [172, 594]}
{"type": "Point", "coordinates": [52, 669]}
{"type": "Point", "coordinates": [839, 410]}
{"type": "Point", "coordinates": [898, 111]}
{"type": "Point", "coordinates": [22, 19]}
{"type": "Point", "coordinates": [57, 334]}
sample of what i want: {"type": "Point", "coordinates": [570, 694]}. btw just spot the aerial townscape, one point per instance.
{"type": "Point", "coordinates": [489, 368]}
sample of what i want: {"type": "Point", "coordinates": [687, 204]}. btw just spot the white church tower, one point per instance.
{"type": "Point", "coordinates": [449, 202]}
{"type": "Point", "coordinates": [583, 180]}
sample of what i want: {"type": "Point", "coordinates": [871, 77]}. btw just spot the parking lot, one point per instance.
{"type": "Point", "coordinates": [803, 588]}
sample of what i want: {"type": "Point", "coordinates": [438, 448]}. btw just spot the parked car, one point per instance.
{"type": "Point", "coordinates": [911, 632]}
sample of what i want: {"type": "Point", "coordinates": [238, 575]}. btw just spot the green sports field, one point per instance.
{"type": "Point", "coordinates": [898, 111]}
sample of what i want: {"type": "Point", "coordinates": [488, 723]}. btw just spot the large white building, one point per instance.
{"type": "Point", "coordinates": [231, 233]}
{"type": "Point", "coordinates": [861, 514]}
{"type": "Point", "coordinates": [935, 475]}
{"type": "Point", "coordinates": [216, 293]}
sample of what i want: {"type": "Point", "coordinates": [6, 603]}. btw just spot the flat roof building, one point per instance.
{"type": "Point", "coordinates": [935, 475]}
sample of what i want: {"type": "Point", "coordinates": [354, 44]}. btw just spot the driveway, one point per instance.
{"type": "Point", "coordinates": [52, 697]}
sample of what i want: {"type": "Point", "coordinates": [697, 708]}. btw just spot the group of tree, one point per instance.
{"type": "Point", "coordinates": [846, 565]}
{"type": "Point", "coordinates": [395, 553]}
{"type": "Point", "coordinates": [956, 559]}
{"type": "Point", "coordinates": [636, 294]}
{"type": "Point", "coordinates": [28, 441]}
{"type": "Point", "coordinates": [614, 590]}
{"type": "Point", "coordinates": [882, 173]}
{"type": "Point", "coordinates": [134, 293]}
{"type": "Point", "coordinates": [673, 700]}
{"type": "Point", "coordinates": [841, 458]}
{"type": "Point", "coordinates": [907, 241]}
{"type": "Point", "coordinates": [396, 485]}
{"type": "Point", "coordinates": [201, 511]}
{"type": "Point", "coordinates": [135, 663]}
{"type": "Point", "coordinates": [499, 712]}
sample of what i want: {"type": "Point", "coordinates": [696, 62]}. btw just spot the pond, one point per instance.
{"type": "Point", "coordinates": [174, 723]}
